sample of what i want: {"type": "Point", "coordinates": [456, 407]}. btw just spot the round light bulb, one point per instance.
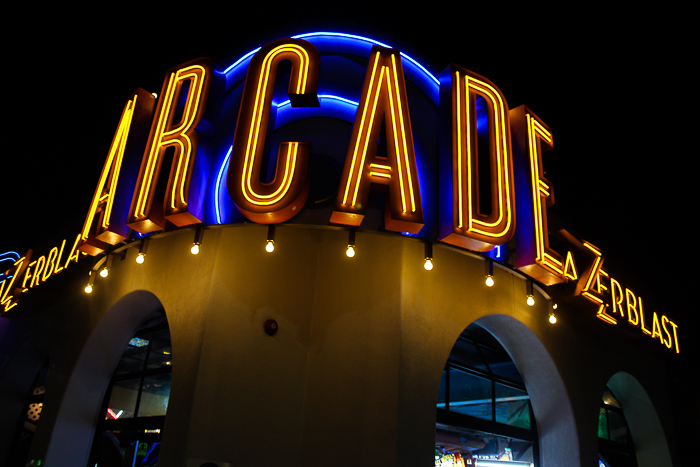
{"type": "Point", "coordinates": [552, 318]}
{"type": "Point", "coordinates": [350, 252]}
{"type": "Point", "coordinates": [428, 265]}
{"type": "Point", "coordinates": [88, 288]}
{"type": "Point", "coordinates": [530, 300]}
{"type": "Point", "coordinates": [554, 307]}
{"type": "Point", "coordinates": [270, 247]}
{"type": "Point", "coordinates": [140, 258]}
{"type": "Point", "coordinates": [104, 272]}
{"type": "Point", "coordinates": [489, 281]}
{"type": "Point", "coordinates": [195, 249]}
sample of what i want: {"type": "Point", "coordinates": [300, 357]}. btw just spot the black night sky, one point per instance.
{"type": "Point", "coordinates": [614, 86]}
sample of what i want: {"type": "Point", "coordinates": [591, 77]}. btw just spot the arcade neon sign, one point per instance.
{"type": "Point", "coordinates": [490, 175]}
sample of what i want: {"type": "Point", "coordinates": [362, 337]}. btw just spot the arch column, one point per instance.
{"type": "Point", "coordinates": [643, 421]}
{"type": "Point", "coordinates": [557, 432]}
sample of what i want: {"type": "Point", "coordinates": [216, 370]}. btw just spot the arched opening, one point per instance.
{"type": "Point", "coordinates": [552, 414]}
{"type": "Point", "coordinates": [641, 440]}
{"type": "Point", "coordinates": [81, 408]}
{"type": "Point", "coordinates": [615, 446]}
{"type": "Point", "coordinates": [484, 416]}
{"type": "Point", "coordinates": [135, 404]}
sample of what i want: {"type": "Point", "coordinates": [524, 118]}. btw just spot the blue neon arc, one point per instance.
{"type": "Point", "coordinates": [243, 62]}
{"type": "Point", "coordinates": [246, 57]}
{"type": "Point", "coordinates": [324, 96]}
{"type": "Point", "coordinates": [352, 36]}
{"type": "Point", "coordinates": [10, 257]}
{"type": "Point", "coordinates": [222, 169]}
{"type": "Point", "coordinates": [218, 184]}
{"type": "Point", "coordinates": [13, 255]}
{"type": "Point", "coordinates": [228, 70]}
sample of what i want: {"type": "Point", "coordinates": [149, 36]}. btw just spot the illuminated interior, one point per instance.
{"type": "Point", "coordinates": [136, 401]}
{"type": "Point", "coordinates": [341, 58]}
{"type": "Point", "coordinates": [275, 200]}
{"type": "Point", "coordinates": [614, 441]}
{"type": "Point", "coordinates": [31, 416]}
{"type": "Point", "coordinates": [483, 409]}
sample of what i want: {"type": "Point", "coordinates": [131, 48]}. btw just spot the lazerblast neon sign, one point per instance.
{"type": "Point", "coordinates": [473, 117]}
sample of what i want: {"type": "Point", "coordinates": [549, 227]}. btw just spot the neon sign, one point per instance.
{"type": "Point", "coordinates": [183, 202]}
{"type": "Point", "coordinates": [279, 200]}
{"type": "Point", "coordinates": [383, 99]}
{"type": "Point", "coordinates": [99, 229]}
{"type": "Point", "coordinates": [214, 131]}
{"type": "Point", "coordinates": [531, 137]}
{"type": "Point", "coordinates": [463, 223]}
{"type": "Point", "coordinates": [27, 273]}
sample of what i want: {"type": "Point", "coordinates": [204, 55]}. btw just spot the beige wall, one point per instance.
{"type": "Point", "coordinates": [352, 375]}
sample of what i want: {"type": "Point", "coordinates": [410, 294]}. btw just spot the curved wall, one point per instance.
{"type": "Point", "coordinates": [353, 372]}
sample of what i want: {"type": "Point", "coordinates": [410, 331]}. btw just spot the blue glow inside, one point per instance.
{"type": "Point", "coordinates": [138, 342]}
{"type": "Point", "coordinates": [219, 178]}
{"type": "Point", "coordinates": [335, 103]}
{"type": "Point", "coordinates": [330, 105]}
{"type": "Point", "coordinates": [9, 255]}
{"type": "Point", "coordinates": [362, 45]}
{"type": "Point", "coordinates": [136, 451]}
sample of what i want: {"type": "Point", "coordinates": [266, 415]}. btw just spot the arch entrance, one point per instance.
{"type": "Point", "coordinates": [483, 410]}
{"type": "Point", "coordinates": [81, 407]}
{"type": "Point", "coordinates": [517, 407]}
{"type": "Point", "coordinates": [629, 425]}
{"type": "Point", "coordinates": [135, 404]}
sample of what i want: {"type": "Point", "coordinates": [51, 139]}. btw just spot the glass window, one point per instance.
{"type": "Point", "coordinates": [133, 358]}
{"type": "Point", "coordinates": [480, 380]}
{"type": "Point", "coordinates": [483, 408]}
{"type": "Point", "coordinates": [512, 406]}
{"type": "Point", "coordinates": [614, 442]}
{"type": "Point", "coordinates": [122, 400]}
{"type": "Point", "coordinates": [501, 365]}
{"type": "Point", "coordinates": [465, 353]}
{"type": "Point", "coordinates": [470, 394]}
{"type": "Point", "coordinates": [617, 427]}
{"type": "Point", "coordinates": [603, 424]}
{"type": "Point", "coordinates": [137, 400]}
{"type": "Point", "coordinates": [155, 396]}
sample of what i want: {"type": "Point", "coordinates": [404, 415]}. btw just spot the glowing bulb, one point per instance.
{"type": "Point", "coordinates": [88, 288]}
{"type": "Point", "coordinates": [428, 265]}
{"type": "Point", "coordinates": [350, 252]}
{"type": "Point", "coordinates": [104, 272]}
{"type": "Point", "coordinates": [554, 307]}
{"type": "Point", "coordinates": [270, 247]}
{"type": "Point", "coordinates": [489, 281]}
{"type": "Point", "coordinates": [530, 300]}
{"type": "Point", "coordinates": [140, 258]}
{"type": "Point", "coordinates": [195, 249]}
{"type": "Point", "coordinates": [155, 96]}
{"type": "Point", "coordinates": [552, 318]}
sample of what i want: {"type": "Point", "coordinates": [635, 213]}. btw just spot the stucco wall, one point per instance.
{"type": "Point", "coordinates": [352, 375]}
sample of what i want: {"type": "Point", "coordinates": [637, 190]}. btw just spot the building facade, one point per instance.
{"type": "Point", "coordinates": [301, 353]}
